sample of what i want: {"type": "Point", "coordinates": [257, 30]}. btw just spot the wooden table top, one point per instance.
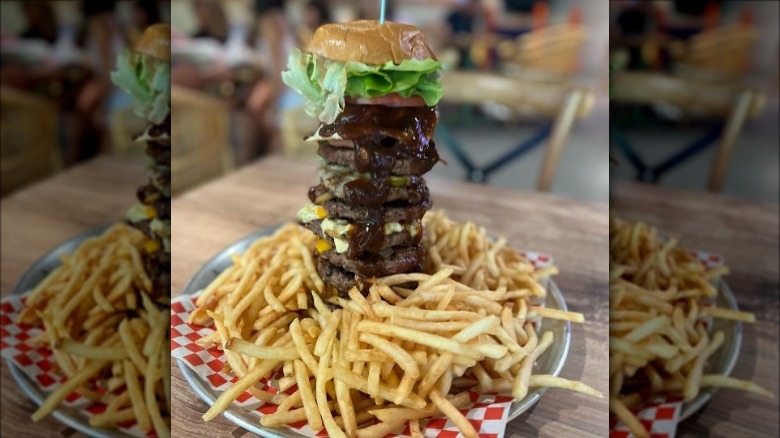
{"type": "Point", "coordinates": [270, 192]}
{"type": "Point", "coordinates": [37, 219]}
{"type": "Point", "coordinates": [746, 235]}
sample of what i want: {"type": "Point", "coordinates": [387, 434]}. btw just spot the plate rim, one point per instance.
{"type": "Point", "coordinates": [704, 397]}
{"type": "Point", "coordinates": [241, 417]}
{"type": "Point", "coordinates": [65, 414]}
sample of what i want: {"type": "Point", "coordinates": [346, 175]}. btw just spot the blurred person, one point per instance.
{"type": "Point", "coordinates": [211, 32]}
{"type": "Point", "coordinates": [145, 13]}
{"type": "Point", "coordinates": [198, 76]}
{"type": "Point", "coordinates": [270, 97]}
{"type": "Point", "coordinates": [103, 40]}
{"type": "Point", "coordinates": [464, 25]}
{"type": "Point", "coordinates": [32, 60]}
{"type": "Point", "coordinates": [684, 20]}
{"type": "Point", "coordinates": [505, 21]}
{"type": "Point", "coordinates": [521, 16]}
{"type": "Point", "coordinates": [636, 26]}
{"type": "Point", "coordinates": [212, 22]}
{"type": "Point", "coordinates": [41, 21]}
{"type": "Point", "coordinates": [45, 59]}
{"type": "Point", "coordinates": [315, 14]}
{"type": "Point", "coordinates": [689, 17]}
{"type": "Point", "coordinates": [370, 10]}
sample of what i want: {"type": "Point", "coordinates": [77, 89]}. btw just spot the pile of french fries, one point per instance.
{"type": "Point", "coordinates": [411, 349]}
{"type": "Point", "coordinates": [106, 334]}
{"type": "Point", "coordinates": [661, 298]}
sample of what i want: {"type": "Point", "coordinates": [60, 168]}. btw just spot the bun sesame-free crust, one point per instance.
{"type": "Point", "coordinates": [155, 42]}
{"type": "Point", "coordinates": [369, 42]}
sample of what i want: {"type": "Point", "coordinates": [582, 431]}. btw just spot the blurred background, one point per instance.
{"type": "Point", "coordinates": [525, 86]}
{"type": "Point", "coordinates": [59, 107]}
{"type": "Point", "coordinates": [515, 69]}
{"type": "Point", "coordinates": [695, 95]}
{"type": "Point", "coordinates": [694, 134]}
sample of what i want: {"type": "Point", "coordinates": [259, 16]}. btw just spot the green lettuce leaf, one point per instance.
{"type": "Point", "coordinates": [325, 83]}
{"type": "Point", "coordinates": [147, 81]}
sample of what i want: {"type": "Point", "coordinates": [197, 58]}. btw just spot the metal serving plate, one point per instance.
{"type": "Point", "coordinates": [724, 359]}
{"type": "Point", "coordinates": [34, 275]}
{"type": "Point", "coordinates": [550, 363]}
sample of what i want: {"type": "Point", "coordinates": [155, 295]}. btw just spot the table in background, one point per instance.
{"type": "Point", "coordinates": [746, 234]}
{"type": "Point", "coordinates": [270, 192]}
{"type": "Point", "coordinates": [37, 219]}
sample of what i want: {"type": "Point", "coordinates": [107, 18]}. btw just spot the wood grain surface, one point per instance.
{"type": "Point", "coordinates": [270, 192]}
{"type": "Point", "coordinates": [209, 218]}
{"type": "Point", "coordinates": [37, 219]}
{"type": "Point", "coordinates": [746, 235]}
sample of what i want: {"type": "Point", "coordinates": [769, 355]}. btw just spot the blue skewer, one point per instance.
{"type": "Point", "coordinates": [382, 13]}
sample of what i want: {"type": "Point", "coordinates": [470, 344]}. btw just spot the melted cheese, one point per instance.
{"type": "Point", "coordinates": [146, 137]}
{"type": "Point", "coordinates": [393, 227]}
{"type": "Point", "coordinates": [140, 212]}
{"type": "Point", "coordinates": [311, 212]}
{"type": "Point", "coordinates": [162, 229]}
{"type": "Point", "coordinates": [317, 137]}
{"type": "Point", "coordinates": [338, 229]}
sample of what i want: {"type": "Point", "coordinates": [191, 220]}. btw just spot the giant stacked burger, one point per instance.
{"type": "Point", "coordinates": [374, 88]}
{"type": "Point", "coordinates": [145, 74]}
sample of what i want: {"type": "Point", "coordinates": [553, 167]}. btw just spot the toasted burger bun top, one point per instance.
{"type": "Point", "coordinates": [155, 42]}
{"type": "Point", "coordinates": [369, 42]}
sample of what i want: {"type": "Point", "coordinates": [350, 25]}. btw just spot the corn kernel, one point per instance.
{"type": "Point", "coordinates": [321, 213]}
{"type": "Point", "coordinates": [150, 212]}
{"type": "Point", "coordinates": [151, 246]}
{"type": "Point", "coordinates": [323, 245]}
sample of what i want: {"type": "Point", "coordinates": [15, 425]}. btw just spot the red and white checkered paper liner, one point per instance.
{"type": "Point", "coordinates": [488, 414]}
{"type": "Point", "coordinates": [38, 363]}
{"type": "Point", "coordinates": [661, 415]}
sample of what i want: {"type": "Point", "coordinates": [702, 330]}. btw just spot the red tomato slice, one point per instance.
{"type": "Point", "coordinates": [393, 99]}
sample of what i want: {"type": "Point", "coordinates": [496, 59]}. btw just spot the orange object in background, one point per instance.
{"type": "Point", "coordinates": [541, 13]}
{"type": "Point", "coordinates": [746, 16]}
{"type": "Point", "coordinates": [491, 19]}
{"type": "Point", "coordinates": [711, 16]}
{"type": "Point", "coordinates": [575, 19]}
{"type": "Point", "coordinates": [575, 15]}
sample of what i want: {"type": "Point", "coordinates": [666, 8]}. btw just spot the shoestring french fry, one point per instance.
{"type": "Point", "coordinates": [100, 338]}
{"type": "Point", "coordinates": [365, 365]}
{"type": "Point", "coordinates": [661, 298]}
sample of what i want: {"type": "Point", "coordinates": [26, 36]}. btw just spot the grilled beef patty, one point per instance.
{"type": "Point", "coordinates": [160, 152]}
{"type": "Point", "coordinates": [365, 193]}
{"type": "Point", "coordinates": [408, 125]}
{"type": "Point", "coordinates": [368, 237]}
{"type": "Point", "coordinates": [397, 211]}
{"type": "Point", "coordinates": [149, 195]}
{"type": "Point", "coordinates": [399, 260]}
{"type": "Point", "coordinates": [158, 267]}
{"type": "Point", "coordinates": [388, 156]}
{"type": "Point", "coordinates": [340, 279]}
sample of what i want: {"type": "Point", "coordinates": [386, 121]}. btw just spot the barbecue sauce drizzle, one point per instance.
{"type": "Point", "coordinates": [380, 136]}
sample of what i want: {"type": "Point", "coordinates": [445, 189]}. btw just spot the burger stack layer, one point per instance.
{"type": "Point", "coordinates": [145, 74]}
{"type": "Point", "coordinates": [375, 94]}
{"type": "Point", "coordinates": [152, 214]}
{"type": "Point", "coordinates": [367, 209]}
